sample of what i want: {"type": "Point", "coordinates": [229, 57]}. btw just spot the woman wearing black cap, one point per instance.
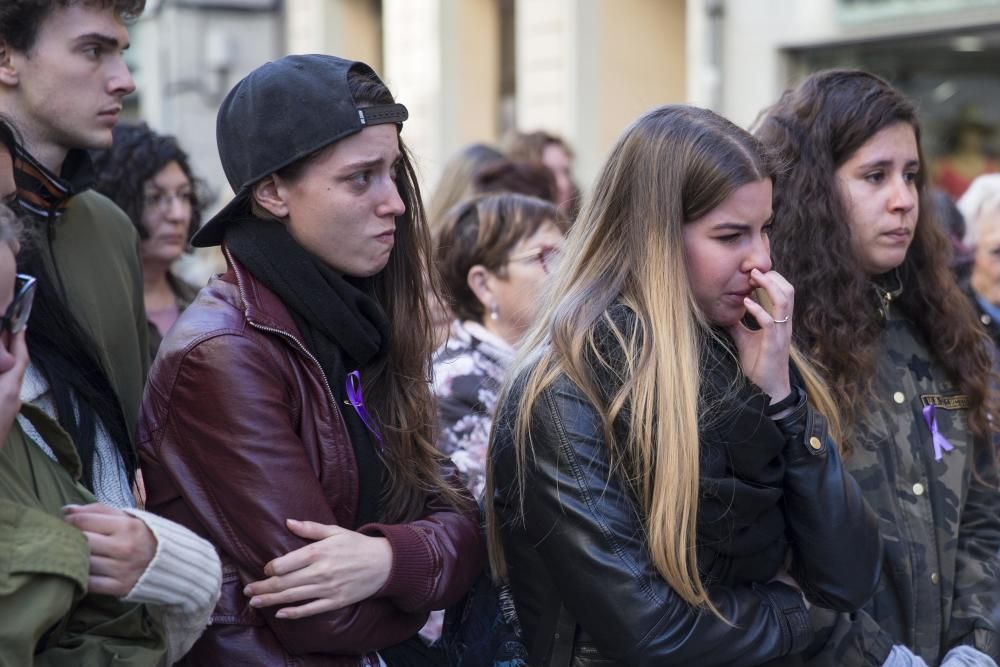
{"type": "Point", "coordinates": [288, 416]}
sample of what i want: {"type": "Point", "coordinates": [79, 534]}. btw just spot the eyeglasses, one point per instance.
{"type": "Point", "coordinates": [161, 201]}
{"type": "Point", "coordinates": [16, 317]}
{"type": "Point", "coordinates": [546, 255]}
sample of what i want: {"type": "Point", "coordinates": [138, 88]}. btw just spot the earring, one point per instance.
{"type": "Point", "coordinates": [494, 313]}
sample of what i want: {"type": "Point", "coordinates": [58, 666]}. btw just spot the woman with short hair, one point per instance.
{"type": "Point", "coordinates": [494, 254]}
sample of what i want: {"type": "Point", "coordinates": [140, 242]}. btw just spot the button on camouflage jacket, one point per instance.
{"type": "Point", "coordinates": [940, 584]}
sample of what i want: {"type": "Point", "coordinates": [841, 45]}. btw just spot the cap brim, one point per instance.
{"type": "Point", "coordinates": [213, 232]}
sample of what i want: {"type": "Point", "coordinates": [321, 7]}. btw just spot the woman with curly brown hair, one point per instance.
{"type": "Point", "coordinates": [149, 176]}
{"type": "Point", "coordinates": [881, 313]}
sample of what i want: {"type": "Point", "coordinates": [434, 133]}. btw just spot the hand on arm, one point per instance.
{"type": "Point", "coordinates": [764, 353]}
{"type": "Point", "coordinates": [223, 464]}
{"type": "Point", "coordinates": [341, 567]}
{"type": "Point", "coordinates": [121, 547]}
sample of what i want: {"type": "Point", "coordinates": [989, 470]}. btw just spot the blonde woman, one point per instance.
{"type": "Point", "coordinates": [658, 460]}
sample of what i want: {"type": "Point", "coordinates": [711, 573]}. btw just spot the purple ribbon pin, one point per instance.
{"type": "Point", "coordinates": [357, 401]}
{"type": "Point", "coordinates": [941, 444]}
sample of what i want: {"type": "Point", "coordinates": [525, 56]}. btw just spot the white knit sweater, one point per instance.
{"type": "Point", "coordinates": [182, 583]}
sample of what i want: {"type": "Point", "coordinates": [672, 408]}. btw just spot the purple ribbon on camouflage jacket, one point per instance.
{"type": "Point", "coordinates": [357, 401]}
{"type": "Point", "coordinates": [941, 444]}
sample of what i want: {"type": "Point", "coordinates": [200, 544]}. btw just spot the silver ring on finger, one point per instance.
{"type": "Point", "coordinates": [782, 321]}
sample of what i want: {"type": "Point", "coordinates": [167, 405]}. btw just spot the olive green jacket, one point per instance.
{"type": "Point", "coordinates": [95, 253]}
{"type": "Point", "coordinates": [47, 616]}
{"type": "Point", "coordinates": [940, 523]}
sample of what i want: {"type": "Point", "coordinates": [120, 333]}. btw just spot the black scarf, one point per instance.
{"type": "Point", "coordinates": [341, 324]}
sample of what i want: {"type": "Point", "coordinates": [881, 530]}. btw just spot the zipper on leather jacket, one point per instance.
{"type": "Point", "coordinates": [298, 343]}
{"type": "Point", "coordinates": [366, 660]}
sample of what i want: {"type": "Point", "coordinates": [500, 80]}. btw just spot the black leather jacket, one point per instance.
{"type": "Point", "coordinates": [581, 543]}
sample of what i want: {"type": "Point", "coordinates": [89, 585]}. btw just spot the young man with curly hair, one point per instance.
{"type": "Point", "coordinates": [62, 80]}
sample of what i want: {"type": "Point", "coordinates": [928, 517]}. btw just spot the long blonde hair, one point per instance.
{"type": "Point", "coordinates": [671, 166]}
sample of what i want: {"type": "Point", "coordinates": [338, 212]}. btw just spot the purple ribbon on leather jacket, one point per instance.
{"type": "Point", "coordinates": [941, 444]}
{"type": "Point", "coordinates": [357, 401]}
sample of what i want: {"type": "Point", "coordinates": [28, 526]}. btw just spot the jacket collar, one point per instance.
{"type": "Point", "coordinates": [261, 306]}
{"type": "Point", "coordinates": [44, 194]}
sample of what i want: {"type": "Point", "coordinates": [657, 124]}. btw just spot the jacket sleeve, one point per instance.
{"type": "Point", "coordinates": [847, 639]}
{"type": "Point", "coordinates": [222, 463]}
{"type": "Point", "coordinates": [834, 535]}
{"type": "Point", "coordinates": [975, 609]}
{"type": "Point", "coordinates": [436, 558]}
{"type": "Point", "coordinates": [586, 528]}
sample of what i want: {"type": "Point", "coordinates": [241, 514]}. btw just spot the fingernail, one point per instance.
{"type": "Point", "coordinates": [254, 602]}
{"type": "Point", "coordinates": [295, 521]}
{"type": "Point", "coordinates": [281, 614]}
{"type": "Point", "coordinates": [66, 508]}
{"type": "Point", "coordinates": [247, 591]}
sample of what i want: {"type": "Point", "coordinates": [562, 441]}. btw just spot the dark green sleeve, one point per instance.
{"type": "Point", "coordinates": [103, 630]}
{"type": "Point", "coordinates": [43, 571]}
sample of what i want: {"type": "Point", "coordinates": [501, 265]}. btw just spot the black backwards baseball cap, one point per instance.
{"type": "Point", "coordinates": [280, 113]}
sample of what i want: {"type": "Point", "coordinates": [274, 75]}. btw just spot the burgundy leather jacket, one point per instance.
{"type": "Point", "coordinates": [238, 432]}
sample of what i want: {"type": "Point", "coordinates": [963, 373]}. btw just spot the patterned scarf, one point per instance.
{"type": "Point", "coordinates": [42, 193]}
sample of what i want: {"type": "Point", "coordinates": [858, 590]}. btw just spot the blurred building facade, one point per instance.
{"type": "Point", "coordinates": [474, 70]}
{"type": "Point", "coordinates": [942, 53]}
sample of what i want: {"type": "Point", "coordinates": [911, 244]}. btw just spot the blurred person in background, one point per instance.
{"type": "Point", "coordinates": [494, 254]}
{"type": "Point", "coordinates": [521, 177]}
{"type": "Point", "coordinates": [981, 207]}
{"type": "Point", "coordinates": [457, 182]}
{"type": "Point", "coordinates": [967, 156]}
{"type": "Point", "coordinates": [552, 151]}
{"type": "Point", "coordinates": [149, 176]}
{"type": "Point", "coordinates": [953, 223]}
{"type": "Point", "coordinates": [909, 365]}
{"type": "Point", "coordinates": [458, 179]}
{"type": "Point", "coordinates": [288, 415]}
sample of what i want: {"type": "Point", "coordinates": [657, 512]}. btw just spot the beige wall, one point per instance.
{"type": "Point", "coordinates": [442, 62]}
{"type": "Point", "coordinates": [645, 62]}
{"type": "Point", "coordinates": [345, 28]}
{"type": "Point", "coordinates": [755, 34]}
{"type": "Point", "coordinates": [587, 68]}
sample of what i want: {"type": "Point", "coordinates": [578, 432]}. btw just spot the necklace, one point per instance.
{"type": "Point", "coordinates": [887, 296]}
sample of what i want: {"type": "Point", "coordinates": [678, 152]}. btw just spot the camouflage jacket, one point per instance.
{"type": "Point", "coordinates": [940, 584]}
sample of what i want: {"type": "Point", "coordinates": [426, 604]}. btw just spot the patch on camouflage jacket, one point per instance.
{"type": "Point", "coordinates": [952, 402]}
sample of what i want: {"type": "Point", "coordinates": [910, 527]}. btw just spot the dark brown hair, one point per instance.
{"type": "Point", "coordinates": [401, 399]}
{"type": "Point", "coordinates": [529, 146]}
{"type": "Point", "coordinates": [814, 129]}
{"type": "Point", "coordinates": [20, 20]}
{"type": "Point", "coordinates": [137, 155]}
{"type": "Point", "coordinates": [483, 230]}
{"type": "Point", "coordinates": [526, 178]}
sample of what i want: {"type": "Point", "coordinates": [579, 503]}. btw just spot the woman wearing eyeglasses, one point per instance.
{"type": "Point", "coordinates": [148, 175]}
{"type": "Point", "coordinates": [494, 254]}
